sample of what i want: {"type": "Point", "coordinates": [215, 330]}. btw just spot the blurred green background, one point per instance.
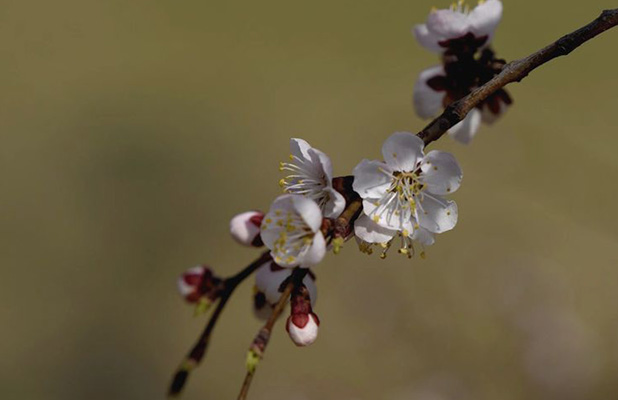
{"type": "Point", "coordinates": [133, 130]}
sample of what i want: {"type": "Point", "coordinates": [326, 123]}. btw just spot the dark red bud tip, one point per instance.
{"type": "Point", "coordinates": [199, 282]}
{"type": "Point", "coordinates": [178, 382]}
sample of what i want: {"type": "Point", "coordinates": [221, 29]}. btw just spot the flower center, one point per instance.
{"type": "Point", "coordinates": [462, 7]}
{"type": "Point", "coordinates": [304, 179]}
{"type": "Point", "coordinates": [295, 236]}
{"type": "Point", "coordinates": [407, 186]}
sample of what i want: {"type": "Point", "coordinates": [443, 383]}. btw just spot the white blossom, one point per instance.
{"type": "Point", "coordinates": [311, 175]}
{"type": "Point", "coordinates": [404, 194]}
{"type": "Point", "coordinates": [443, 26]}
{"type": "Point", "coordinates": [291, 230]}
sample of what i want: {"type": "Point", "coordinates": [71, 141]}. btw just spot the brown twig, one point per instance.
{"type": "Point", "coordinates": [258, 346]}
{"type": "Point", "coordinates": [516, 71]}
{"type": "Point", "coordinates": [198, 351]}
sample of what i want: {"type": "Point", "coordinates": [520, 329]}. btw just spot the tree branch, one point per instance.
{"type": "Point", "coordinates": [516, 71]}
{"type": "Point", "coordinates": [198, 351]}
{"type": "Point", "coordinates": [258, 346]}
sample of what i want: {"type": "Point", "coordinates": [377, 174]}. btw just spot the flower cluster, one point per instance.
{"type": "Point", "coordinates": [400, 200]}
{"type": "Point", "coordinates": [462, 38]}
{"type": "Point", "coordinates": [401, 196]}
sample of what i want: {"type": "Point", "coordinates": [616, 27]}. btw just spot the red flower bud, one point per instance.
{"type": "Point", "coordinates": [245, 228]}
{"type": "Point", "coordinates": [199, 283]}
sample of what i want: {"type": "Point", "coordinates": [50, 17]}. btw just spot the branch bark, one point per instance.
{"type": "Point", "coordinates": [258, 346]}
{"type": "Point", "coordinates": [516, 71]}
{"type": "Point", "coordinates": [198, 351]}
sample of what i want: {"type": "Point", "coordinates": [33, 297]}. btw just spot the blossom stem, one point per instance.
{"type": "Point", "coordinates": [198, 351]}
{"type": "Point", "coordinates": [261, 340]}
{"type": "Point", "coordinates": [516, 71]}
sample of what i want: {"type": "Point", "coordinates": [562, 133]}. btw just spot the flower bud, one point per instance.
{"type": "Point", "coordinates": [245, 228]}
{"type": "Point", "coordinates": [199, 284]}
{"type": "Point", "coordinates": [302, 324]}
{"type": "Point", "coordinates": [303, 328]}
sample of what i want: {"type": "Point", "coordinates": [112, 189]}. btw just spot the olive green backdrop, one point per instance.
{"type": "Point", "coordinates": [131, 131]}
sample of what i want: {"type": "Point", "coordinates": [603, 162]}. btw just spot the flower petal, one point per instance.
{"type": "Point", "coordinates": [423, 236]}
{"type": "Point", "coordinates": [335, 205]}
{"type": "Point", "coordinates": [269, 277]}
{"type": "Point", "coordinates": [270, 230]}
{"type": "Point", "coordinates": [316, 252]}
{"type": "Point", "coordinates": [323, 164]}
{"type": "Point", "coordinates": [427, 39]}
{"type": "Point", "coordinates": [427, 101]}
{"type": "Point", "coordinates": [447, 24]}
{"type": "Point", "coordinates": [485, 18]}
{"type": "Point", "coordinates": [465, 130]}
{"type": "Point", "coordinates": [402, 150]}
{"type": "Point", "coordinates": [370, 232]}
{"type": "Point", "coordinates": [436, 214]}
{"type": "Point", "coordinates": [371, 178]}
{"type": "Point", "coordinates": [387, 212]}
{"type": "Point", "coordinates": [300, 148]}
{"type": "Point", "coordinates": [308, 211]}
{"type": "Point", "coordinates": [244, 229]}
{"type": "Point", "coordinates": [268, 280]}
{"type": "Point", "coordinates": [440, 172]}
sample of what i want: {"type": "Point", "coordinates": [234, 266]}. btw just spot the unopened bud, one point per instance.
{"type": "Point", "coordinates": [198, 285]}
{"type": "Point", "coordinates": [302, 324]}
{"type": "Point", "coordinates": [303, 328]}
{"type": "Point", "coordinates": [245, 228]}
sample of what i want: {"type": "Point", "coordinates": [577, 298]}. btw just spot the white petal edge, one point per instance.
{"type": "Point", "coordinates": [269, 281]}
{"type": "Point", "coordinates": [484, 19]}
{"type": "Point", "coordinates": [447, 24]}
{"type": "Point", "coordinates": [423, 236]}
{"type": "Point", "coordinates": [184, 288]}
{"type": "Point", "coordinates": [316, 252]}
{"type": "Point", "coordinates": [370, 232]}
{"type": "Point", "coordinates": [324, 162]}
{"type": "Point", "coordinates": [308, 211]}
{"type": "Point", "coordinates": [427, 39]}
{"type": "Point", "coordinates": [465, 130]}
{"type": "Point", "coordinates": [437, 215]}
{"type": "Point", "coordinates": [489, 117]}
{"type": "Point", "coordinates": [402, 150]}
{"type": "Point", "coordinates": [242, 229]}
{"type": "Point", "coordinates": [300, 148]}
{"type": "Point", "coordinates": [441, 172]}
{"type": "Point", "coordinates": [371, 178]}
{"type": "Point", "coordinates": [335, 205]}
{"type": "Point", "coordinates": [428, 102]}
